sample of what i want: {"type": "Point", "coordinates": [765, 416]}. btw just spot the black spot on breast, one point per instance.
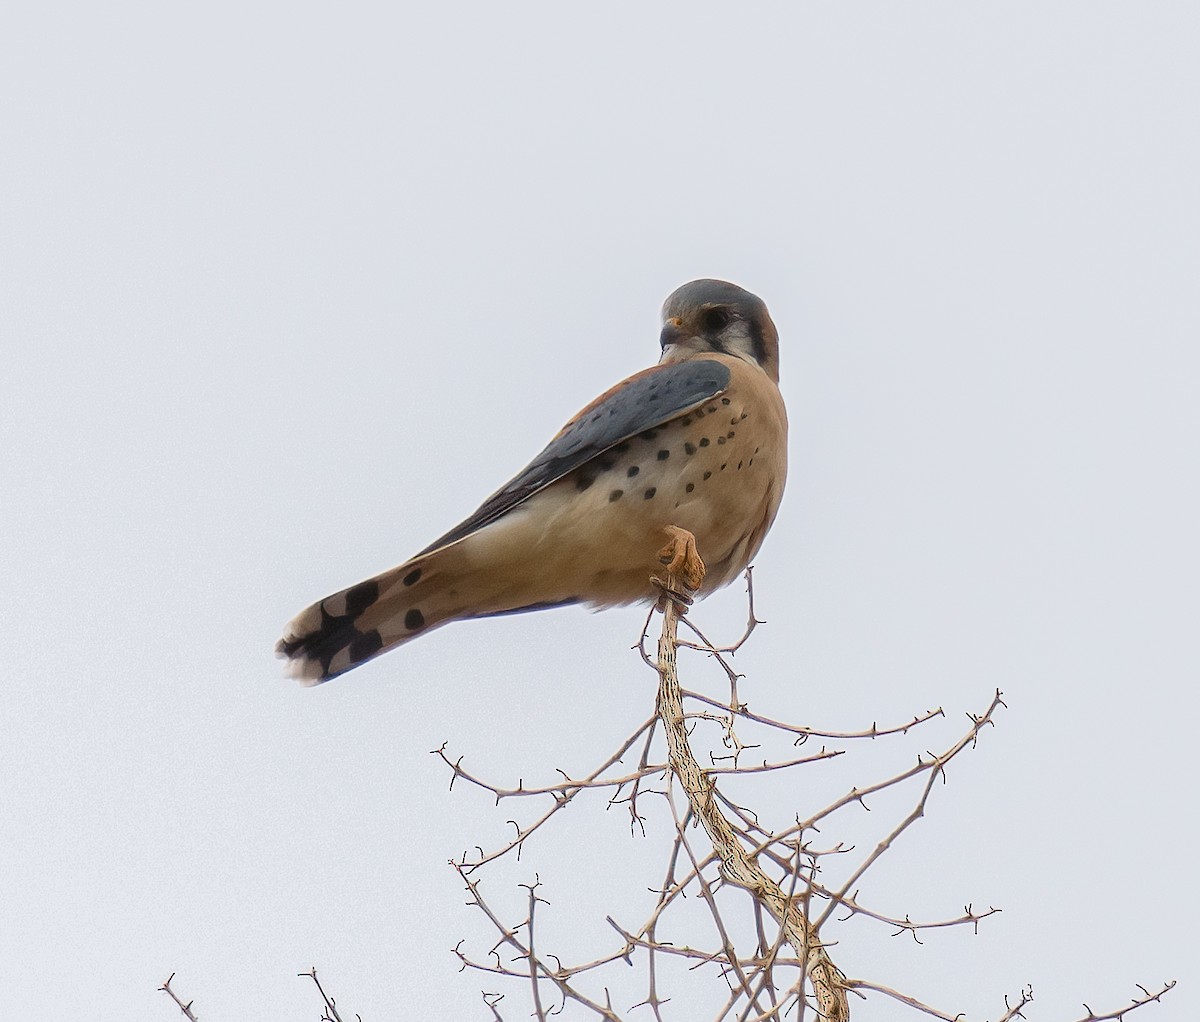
{"type": "Point", "coordinates": [689, 448]}
{"type": "Point", "coordinates": [690, 487]}
{"type": "Point", "coordinates": [720, 440]}
{"type": "Point", "coordinates": [616, 495]}
{"type": "Point", "coordinates": [583, 480]}
{"type": "Point", "coordinates": [413, 577]}
{"type": "Point", "coordinates": [707, 475]}
{"type": "Point", "coordinates": [606, 463]}
{"type": "Point", "coordinates": [649, 493]}
{"type": "Point", "coordinates": [731, 434]}
{"type": "Point", "coordinates": [704, 441]}
{"type": "Point", "coordinates": [622, 448]}
{"type": "Point", "coordinates": [361, 597]}
{"type": "Point", "coordinates": [633, 470]}
{"type": "Point", "coordinates": [739, 468]}
{"type": "Point", "coordinates": [648, 434]}
{"type": "Point", "coordinates": [414, 619]}
{"type": "Point", "coordinates": [663, 455]}
{"type": "Point", "coordinates": [724, 400]}
{"type": "Point", "coordinates": [723, 466]}
{"type": "Point", "coordinates": [685, 421]}
{"type": "Point", "coordinates": [365, 646]}
{"type": "Point", "coordinates": [713, 408]}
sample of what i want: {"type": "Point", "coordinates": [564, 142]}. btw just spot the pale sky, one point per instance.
{"type": "Point", "coordinates": [287, 290]}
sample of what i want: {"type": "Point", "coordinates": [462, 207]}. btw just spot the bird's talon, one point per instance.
{"type": "Point", "coordinates": [682, 559]}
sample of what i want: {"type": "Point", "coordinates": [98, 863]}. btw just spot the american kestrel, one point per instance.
{"type": "Point", "coordinates": [697, 443]}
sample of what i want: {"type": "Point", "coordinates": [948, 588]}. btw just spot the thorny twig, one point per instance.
{"type": "Point", "coordinates": [737, 865]}
{"type": "Point", "coordinates": [329, 1012]}
{"type": "Point", "coordinates": [761, 984]}
{"type": "Point", "coordinates": [185, 1008]}
{"type": "Point", "coordinates": [1144, 998]}
{"type": "Point", "coordinates": [562, 797]}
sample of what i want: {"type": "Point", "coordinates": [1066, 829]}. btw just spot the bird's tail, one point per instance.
{"type": "Point", "coordinates": [357, 624]}
{"type": "Point", "coordinates": [436, 587]}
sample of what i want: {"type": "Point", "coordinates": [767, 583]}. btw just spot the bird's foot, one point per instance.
{"type": "Point", "coordinates": [685, 569]}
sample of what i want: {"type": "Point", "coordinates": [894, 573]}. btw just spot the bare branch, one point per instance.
{"type": "Point", "coordinates": [787, 974]}
{"type": "Point", "coordinates": [1144, 998]}
{"type": "Point", "coordinates": [185, 1008]}
{"type": "Point", "coordinates": [330, 1012]}
{"type": "Point", "coordinates": [738, 865]}
{"type": "Point", "coordinates": [935, 767]}
{"type": "Point", "coordinates": [858, 985]}
{"type": "Point", "coordinates": [811, 732]}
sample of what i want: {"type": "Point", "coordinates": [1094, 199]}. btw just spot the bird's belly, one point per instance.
{"type": "Point", "coordinates": [594, 536]}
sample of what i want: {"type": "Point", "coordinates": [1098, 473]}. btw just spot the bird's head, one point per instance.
{"type": "Point", "coordinates": [714, 315]}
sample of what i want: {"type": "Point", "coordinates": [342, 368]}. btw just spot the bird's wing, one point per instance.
{"type": "Point", "coordinates": [643, 401]}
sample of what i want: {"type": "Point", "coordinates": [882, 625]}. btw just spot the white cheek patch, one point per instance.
{"type": "Point", "coordinates": [736, 340]}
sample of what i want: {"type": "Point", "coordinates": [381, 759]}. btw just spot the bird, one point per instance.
{"type": "Point", "coordinates": [693, 448]}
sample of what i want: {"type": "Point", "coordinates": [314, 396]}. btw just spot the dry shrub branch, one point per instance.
{"type": "Point", "coordinates": [769, 949]}
{"type": "Point", "coordinates": [743, 908]}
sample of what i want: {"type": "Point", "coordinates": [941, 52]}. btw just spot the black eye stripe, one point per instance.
{"type": "Point", "coordinates": [757, 343]}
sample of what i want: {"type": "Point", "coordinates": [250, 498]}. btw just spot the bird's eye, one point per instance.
{"type": "Point", "coordinates": [715, 319]}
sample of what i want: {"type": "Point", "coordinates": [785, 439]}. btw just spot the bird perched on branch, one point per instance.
{"type": "Point", "coordinates": [694, 449]}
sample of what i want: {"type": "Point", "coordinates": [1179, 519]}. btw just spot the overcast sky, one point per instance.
{"type": "Point", "coordinates": [288, 289]}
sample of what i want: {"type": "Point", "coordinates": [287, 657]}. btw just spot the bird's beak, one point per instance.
{"type": "Point", "coordinates": [672, 332]}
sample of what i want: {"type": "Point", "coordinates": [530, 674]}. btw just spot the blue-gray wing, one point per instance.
{"type": "Point", "coordinates": [644, 401]}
